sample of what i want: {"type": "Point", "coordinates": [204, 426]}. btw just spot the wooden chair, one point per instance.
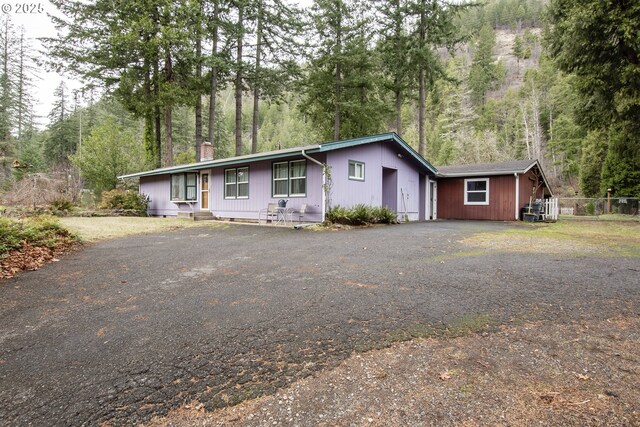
{"type": "Point", "coordinates": [270, 213]}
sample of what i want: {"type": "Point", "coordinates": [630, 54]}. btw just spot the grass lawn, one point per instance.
{"type": "Point", "coordinates": [576, 237]}
{"type": "Point", "coordinates": [99, 228]}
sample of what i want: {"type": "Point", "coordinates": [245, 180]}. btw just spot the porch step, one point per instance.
{"type": "Point", "coordinates": [203, 216]}
{"type": "Point", "coordinates": [197, 216]}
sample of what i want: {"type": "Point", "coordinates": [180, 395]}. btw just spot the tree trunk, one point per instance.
{"type": "Point", "coordinates": [397, 83]}
{"type": "Point", "coordinates": [238, 82]}
{"type": "Point", "coordinates": [198, 71]}
{"type": "Point", "coordinates": [214, 76]}
{"type": "Point", "coordinates": [21, 85]}
{"type": "Point", "coordinates": [149, 143]}
{"type": "Point", "coordinates": [338, 83]}
{"type": "Point", "coordinates": [256, 84]}
{"type": "Point", "coordinates": [422, 147]}
{"type": "Point", "coordinates": [167, 136]}
{"type": "Point", "coordinates": [157, 114]}
{"type": "Point", "coordinates": [526, 130]}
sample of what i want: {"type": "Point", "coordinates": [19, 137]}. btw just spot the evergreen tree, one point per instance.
{"type": "Point", "coordinates": [394, 53]}
{"type": "Point", "coordinates": [278, 30]}
{"type": "Point", "coordinates": [434, 27]}
{"type": "Point", "coordinates": [143, 51]}
{"type": "Point", "coordinates": [342, 96]}
{"type": "Point", "coordinates": [598, 41]}
{"type": "Point", "coordinates": [62, 139]}
{"type": "Point", "coordinates": [482, 74]}
{"type": "Point", "coordinates": [7, 95]}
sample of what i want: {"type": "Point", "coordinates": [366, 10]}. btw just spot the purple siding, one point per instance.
{"type": "Point", "coordinates": [375, 156]}
{"type": "Point", "coordinates": [260, 180]}
{"type": "Point", "coordinates": [158, 188]}
{"type": "Point", "coordinates": [398, 187]}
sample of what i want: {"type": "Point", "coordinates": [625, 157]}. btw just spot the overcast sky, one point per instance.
{"type": "Point", "coordinates": [36, 25]}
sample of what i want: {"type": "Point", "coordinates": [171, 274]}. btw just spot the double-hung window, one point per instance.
{"type": "Point", "coordinates": [356, 170]}
{"type": "Point", "coordinates": [184, 187]}
{"type": "Point", "coordinates": [290, 179]}
{"type": "Point", "coordinates": [476, 191]}
{"type": "Point", "coordinates": [236, 183]}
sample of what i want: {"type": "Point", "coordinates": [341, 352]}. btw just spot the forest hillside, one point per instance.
{"type": "Point", "coordinates": [461, 82]}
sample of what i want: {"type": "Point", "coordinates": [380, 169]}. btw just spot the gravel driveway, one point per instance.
{"type": "Point", "coordinates": [133, 327]}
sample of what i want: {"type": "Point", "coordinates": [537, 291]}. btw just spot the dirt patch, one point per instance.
{"type": "Point", "coordinates": [544, 373]}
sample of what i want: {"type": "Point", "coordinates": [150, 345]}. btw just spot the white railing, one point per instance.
{"type": "Point", "coordinates": [551, 208]}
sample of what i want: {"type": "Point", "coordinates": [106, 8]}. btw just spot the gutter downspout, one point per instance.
{"type": "Point", "coordinates": [324, 182]}
{"type": "Point", "coordinates": [517, 195]}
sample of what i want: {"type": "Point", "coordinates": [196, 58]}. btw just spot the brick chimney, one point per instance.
{"type": "Point", "coordinates": [206, 151]}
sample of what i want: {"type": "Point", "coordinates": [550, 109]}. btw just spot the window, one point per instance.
{"type": "Point", "coordinates": [476, 191]}
{"type": "Point", "coordinates": [298, 178]}
{"type": "Point", "coordinates": [236, 183]}
{"type": "Point", "coordinates": [183, 187]}
{"type": "Point", "coordinates": [290, 179]}
{"type": "Point", "coordinates": [356, 170]}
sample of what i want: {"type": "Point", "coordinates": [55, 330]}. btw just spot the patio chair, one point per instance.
{"type": "Point", "coordinates": [270, 213]}
{"type": "Point", "coordinates": [301, 211]}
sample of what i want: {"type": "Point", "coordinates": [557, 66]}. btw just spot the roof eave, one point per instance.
{"type": "Point", "coordinates": [330, 146]}
{"type": "Point", "coordinates": [493, 173]}
{"type": "Point", "coordinates": [287, 152]}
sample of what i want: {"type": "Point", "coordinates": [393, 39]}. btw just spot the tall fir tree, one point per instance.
{"type": "Point", "coordinates": [342, 89]}
{"type": "Point", "coordinates": [598, 42]}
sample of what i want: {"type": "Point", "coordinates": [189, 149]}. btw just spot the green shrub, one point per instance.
{"type": "Point", "coordinates": [42, 230]}
{"type": "Point", "coordinates": [10, 235]}
{"type": "Point", "coordinates": [361, 215]}
{"type": "Point", "coordinates": [125, 200]}
{"type": "Point", "coordinates": [62, 205]}
{"type": "Point", "coordinates": [590, 208]}
{"type": "Point", "coordinates": [384, 215]}
{"type": "Point", "coordinates": [338, 215]}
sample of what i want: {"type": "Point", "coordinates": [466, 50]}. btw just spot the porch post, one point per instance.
{"type": "Point", "coordinates": [517, 195]}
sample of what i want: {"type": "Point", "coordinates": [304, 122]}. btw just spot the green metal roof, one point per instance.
{"type": "Point", "coordinates": [288, 152]}
{"type": "Point", "coordinates": [390, 136]}
{"type": "Point", "coordinates": [269, 155]}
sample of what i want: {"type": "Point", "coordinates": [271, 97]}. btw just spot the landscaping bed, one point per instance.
{"type": "Point", "coordinates": [28, 244]}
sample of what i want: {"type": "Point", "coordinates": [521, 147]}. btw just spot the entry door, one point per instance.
{"type": "Point", "coordinates": [433, 200]}
{"type": "Point", "coordinates": [204, 192]}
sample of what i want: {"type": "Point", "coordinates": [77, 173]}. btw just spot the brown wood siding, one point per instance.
{"type": "Point", "coordinates": [501, 207]}
{"type": "Point", "coordinates": [527, 183]}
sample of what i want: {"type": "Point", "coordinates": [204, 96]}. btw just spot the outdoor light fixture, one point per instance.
{"type": "Point", "coordinates": [400, 155]}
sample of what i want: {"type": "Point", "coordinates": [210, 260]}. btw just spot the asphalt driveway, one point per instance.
{"type": "Point", "coordinates": [132, 327]}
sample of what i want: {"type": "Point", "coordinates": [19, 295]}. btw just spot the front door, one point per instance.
{"type": "Point", "coordinates": [204, 192]}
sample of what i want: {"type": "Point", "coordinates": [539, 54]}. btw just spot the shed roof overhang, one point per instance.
{"type": "Point", "coordinates": [519, 171]}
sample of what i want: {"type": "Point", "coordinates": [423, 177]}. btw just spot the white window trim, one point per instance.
{"type": "Point", "coordinates": [355, 168]}
{"type": "Point", "coordinates": [274, 179]}
{"type": "Point", "coordinates": [291, 179]}
{"type": "Point", "coordinates": [235, 183]}
{"type": "Point", "coordinates": [238, 182]}
{"type": "Point", "coordinates": [466, 201]}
